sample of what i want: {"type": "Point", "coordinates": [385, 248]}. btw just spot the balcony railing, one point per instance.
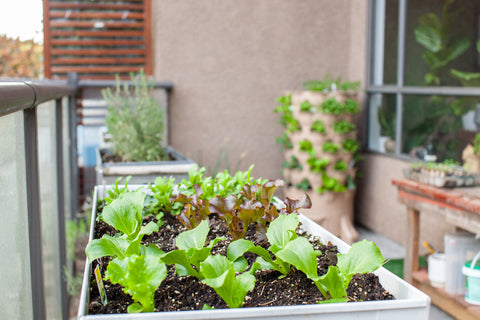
{"type": "Point", "coordinates": [39, 190]}
{"type": "Point", "coordinates": [36, 197]}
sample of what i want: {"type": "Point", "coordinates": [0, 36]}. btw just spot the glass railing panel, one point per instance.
{"type": "Point", "coordinates": [49, 208]}
{"type": "Point", "coordinates": [15, 288]}
{"type": "Point", "coordinates": [67, 177]}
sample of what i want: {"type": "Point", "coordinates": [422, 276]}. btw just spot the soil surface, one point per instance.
{"type": "Point", "coordinates": [188, 293]}
{"type": "Point", "coordinates": [109, 157]}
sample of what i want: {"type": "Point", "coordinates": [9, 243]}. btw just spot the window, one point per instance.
{"type": "Point", "coordinates": [423, 77]}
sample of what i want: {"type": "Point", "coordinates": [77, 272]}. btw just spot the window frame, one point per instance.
{"type": "Point", "coordinates": [374, 74]}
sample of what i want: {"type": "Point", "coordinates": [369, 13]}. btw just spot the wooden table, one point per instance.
{"type": "Point", "coordinates": [461, 208]}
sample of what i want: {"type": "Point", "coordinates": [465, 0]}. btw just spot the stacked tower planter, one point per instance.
{"type": "Point", "coordinates": [320, 145]}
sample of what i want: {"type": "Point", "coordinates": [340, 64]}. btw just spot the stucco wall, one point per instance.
{"type": "Point", "coordinates": [229, 60]}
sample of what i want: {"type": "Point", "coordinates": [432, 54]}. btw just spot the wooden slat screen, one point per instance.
{"type": "Point", "coordinates": [97, 39]}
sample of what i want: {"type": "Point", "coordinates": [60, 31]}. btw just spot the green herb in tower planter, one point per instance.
{"type": "Point", "coordinates": [135, 123]}
{"type": "Point", "coordinates": [321, 136]}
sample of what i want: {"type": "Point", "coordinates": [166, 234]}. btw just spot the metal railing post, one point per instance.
{"type": "Point", "coordinates": [61, 206]}
{"type": "Point", "coordinates": [33, 212]}
{"type": "Point", "coordinates": [72, 116]}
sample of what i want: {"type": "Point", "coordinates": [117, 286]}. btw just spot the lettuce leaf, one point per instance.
{"type": "Point", "coordinates": [363, 257]}
{"type": "Point", "coordinates": [220, 274]}
{"type": "Point", "coordinates": [191, 250]}
{"type": "Point", "coordinates": [140, 276]}
{"type": "Point", "coordinates": [125, 213]}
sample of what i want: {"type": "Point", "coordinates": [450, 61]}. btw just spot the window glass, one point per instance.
{"type": "Point", "coordinates": [441, 42]}
{"type": "Point", "coordinates": [384, 39]}
{"type": "Point", "coordinates": [434, 126]}
{"type": "Point", "coordinates": [382, 123]}
{"type": "Point", "coordinates": [441, 56]}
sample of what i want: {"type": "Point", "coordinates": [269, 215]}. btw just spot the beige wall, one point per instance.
{"type": "Point", "coordinates": [229, 60]}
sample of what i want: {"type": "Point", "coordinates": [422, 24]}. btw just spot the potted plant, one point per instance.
{"type": "Point", "coordinates": [387, 130]}
{"type": "Point", "coordinates": [226, 241]}
{"type": "Point", "coordinates": [320, 147]}
{"type": "Point", "coordinates": [135, 138]}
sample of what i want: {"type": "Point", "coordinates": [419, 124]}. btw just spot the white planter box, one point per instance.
{"type": "Point", "coordinates": [144, 172]}
{"type": "Point", "coordinates": [410, 302]}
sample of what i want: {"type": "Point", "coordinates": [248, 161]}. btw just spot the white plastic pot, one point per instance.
{"type": "Point", "coordinates": [436, 269]}
{"type": "Point", "coordinates": [410, 303]}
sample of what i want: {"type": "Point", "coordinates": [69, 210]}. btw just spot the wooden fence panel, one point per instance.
{"type": "Point", "coordinates": [97, 40]}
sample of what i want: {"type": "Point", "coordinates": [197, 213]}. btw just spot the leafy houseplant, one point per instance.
{"type": "Point", "coordinates": [444, 42]}
{"type": "Point", "coordinates": [135, 124]}
{"type": "Point", "coordinates": [160, 262]}
{"type": "Point", "coordinates": [320, 149]}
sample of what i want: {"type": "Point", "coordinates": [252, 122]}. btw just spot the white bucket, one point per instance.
{"type": "Point", "coordinates": [472, 280]}
{"type": "Point", "coordinates": [437, 269]}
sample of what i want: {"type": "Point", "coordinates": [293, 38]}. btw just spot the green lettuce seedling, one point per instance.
{"type": "Point", "coordinates": [331, 106]}
{"type": "Point", "coordinates": [350, 145]}
{"type": "Point", "coordinates": [330, 184]}
{"type": "Point", "coordinates": [318, 126]}
{"type": "Point", "coordinates": [363, 257]}
{"type": "Point", "coordinates": [191, 250]}
{"type": "Point", "coordinates": [125, 215]}
{"type": "Point", "coordinates": [115, 192]}
{"type": "Point", "coordinates": [291, 250]}
{"type": "Point", "coordinates": [340, 165]}
{"type": "Point", "coordinates": [318, 165]}
{"type": "Point", "coordinates": [292, 164]}
{"type": "Point", "coordinates": [137, 268]}
{"type": "Point", "coordinates": [220, 274]}
{"type": "Point", "coordinates": [162, 190]}
{"type": "Point", "coordinates": [279, 234]}
{"type": "Point", "coordinates": [140, 276]}
{"type": "Point", "coordinates": [237, 248]}
{"type": "Point", "coordinates": [351, 106]}
{"type": "Point", "coordinates": [331, 147]}
{"type": "Point", "coordinates": [343, 126]}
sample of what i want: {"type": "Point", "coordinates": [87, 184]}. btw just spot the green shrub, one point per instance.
{"type": "Point", "coordinates": [135, 121]}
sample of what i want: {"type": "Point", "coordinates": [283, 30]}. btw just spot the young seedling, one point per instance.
{"type": "Point", "coordinates": [363, 257]}
{"type": "Point", "coordinates": [137, 268]}
{"type": "Point", "coordinates": [219, 273]}
{"type": "Point", "coordinates": [191, 250]}
{"type": "Point", "coordinates": [125, 214]}
{"type": "Point", "coordinates": [140, 276]}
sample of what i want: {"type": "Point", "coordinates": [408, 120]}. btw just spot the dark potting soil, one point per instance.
{"type": "Point", "coordinates": [188, 293]}
{"type": "Point", "coordinates": [108, 157]}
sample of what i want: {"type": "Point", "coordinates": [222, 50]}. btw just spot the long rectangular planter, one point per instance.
{"type": "Point", "coordinates": [144, 172]}
{"type": "Point", "coordinates": [410, 302]}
